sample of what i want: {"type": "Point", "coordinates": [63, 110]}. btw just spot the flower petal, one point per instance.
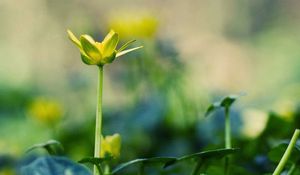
{"type": "Point", "coordinates": [89, 46]}
{"type": "Point", "coordinates": [73, 38]}
{"type": "Point", "coordinates": [84, 57]}
{"type": "Point", "coordinates": [109, 59]}
{"type": "Point", "coordinates": [110, 43]}
{"type": "Point", "coordinates": [127, 51]}
{"type": "Point", "coordinates": [115, 144]}
{"type": "Point", "coordinates": [126, 45]}
{"type": "Point", "coordinates": [87, 60]}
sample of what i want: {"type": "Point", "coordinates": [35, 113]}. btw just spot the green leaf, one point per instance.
{"type": "Point", "coordinates": [52, 165]}
{"type": "Point", "coordinates": [94, 160]}
{"type": "Point", "coordinates": [53, 147]}
{"type": "Point", "coordinates": [204, 156]}
{"type": "Point", "coordinates": [226, 102]}
{"type": "Point", "coordinates": [127, 51]}
{"type": "Point", "coordinates": [168, 161]}
{"type": "Point", "coordinates": [89, 46]}
{"type": "Point", "coordinates": [212, 108]}
{"type": "Point", "coordinates": [229, 100]}
{"type": "Point", "coordinates": [215, 170]}
{"type": "Point", "coordinates": [154, 160]}
{"type": "Point", "coordinates": [126, 45]}
{"type": "Point", "coordinates": [110, 43]}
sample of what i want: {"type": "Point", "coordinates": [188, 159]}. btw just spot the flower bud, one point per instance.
{"type": "Point", "coordinates": [110, 146]}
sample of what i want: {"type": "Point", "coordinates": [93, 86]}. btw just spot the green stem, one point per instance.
{"type": "Point", "coordinates": [196, 170]}
{"type": "Point", "coordinates": [227, 138]}
{"type": "Point", "coordinates": [292, 169]}
{"type": "Point", "coordinates": [97, 148]}
{"type": "Point", "coordinates": [287, 153]}
{"type": "Point", "coordinates": [227, 129]}
{"type": "Point", "coordinates": [106, 169]}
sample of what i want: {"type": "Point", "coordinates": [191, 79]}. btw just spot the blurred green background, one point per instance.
{"type": "Point", "coordinates": [195, 52]}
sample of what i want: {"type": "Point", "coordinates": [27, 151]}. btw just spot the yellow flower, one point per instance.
{"type": "Point", "coordinates": [127, 24]}
{"type": "Point", "coordinates": [286, 109]}
{"type": "Point", "coordinates": [46, 111]}
{"type": "Point", "coordinates": [7, 171]}
{"type": "Point", "coordinates": [100, 53]}
{"type": "Point", "coordinates": [254, 122]}
{"type": "Point", "coordinates": [111, 146]}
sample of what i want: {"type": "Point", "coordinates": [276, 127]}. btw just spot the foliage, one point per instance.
{"type": "Point", "coordinates": [159, 116]}
{"type": "Point", "coordinates": [52, 165]}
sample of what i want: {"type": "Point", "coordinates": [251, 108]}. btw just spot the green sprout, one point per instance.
{"type": "Point", "coordinates": [100, 53]}
{"type": "Point", "coordinates": [225, 103]}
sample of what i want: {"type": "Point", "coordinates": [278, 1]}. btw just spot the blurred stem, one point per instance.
{"type": "Point", "coordinates": [226, 171]}
{"type": "Point", "coordinates": [287, 153]}
{"type": "Point", "coordinates": [292, 169]}
{"type": "Point", "coordinates": [227, 138]}
{"type": "Point", "coordinates": [97, 148]}
{"type": "Point", "coordinates": [196, 170]}
{"type": "Point", "coordinates": [227, 129]}
{"type": "Point", "coordinates": [106, 169]}
{"type": "Point", "coordinates": [141, 170]}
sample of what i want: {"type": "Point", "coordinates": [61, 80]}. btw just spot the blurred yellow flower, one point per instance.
{"type": "Point", "coordinates": [132, 25]}
{"type": "Point", "coordinates": [7, 171]}
{"type": "Point", "coordinates": [100, 53]}
{"type": "Point", "coordinates": [45, 110]}
{"type": "Point", "coordinates": [285, 109]}
{"type": "Point", "coordinates": [111, 146]}
{"type": "Point", "coordinates": [254, 122]}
